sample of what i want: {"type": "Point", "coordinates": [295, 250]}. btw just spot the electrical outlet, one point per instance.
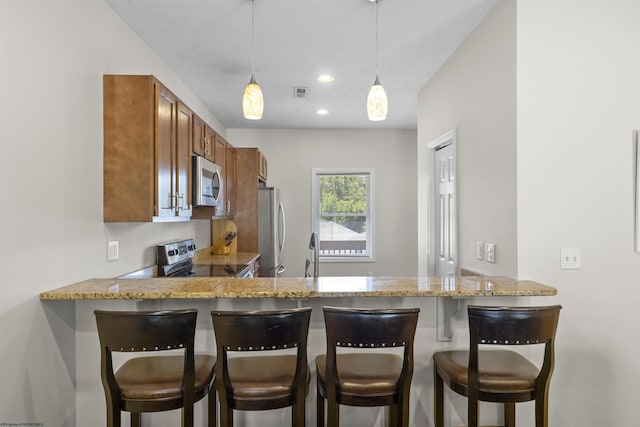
{"type": "Point", "coordinates": [570, 259]}
{"type": "Point", "coordinates": [113, 251]}
{"type": "Point", "coordinates": [490, 252]}
{"type": "Point", "coordinates": [480, 251]}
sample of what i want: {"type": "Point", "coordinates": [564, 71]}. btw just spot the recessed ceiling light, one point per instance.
{"type": "Point", "coordinates": [326, 78]}
{"type": "Point", "coordinates": [322, 112]}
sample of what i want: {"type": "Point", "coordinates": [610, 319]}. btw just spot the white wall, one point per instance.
{"type": "Point", "coordinates": [52, 58]}
{"type": "Point", "coordinates": [292, 153]}
{"type": "Point", "coordinates": [578, 102]}
{"type": "Point", "coordinates": [474, 92]}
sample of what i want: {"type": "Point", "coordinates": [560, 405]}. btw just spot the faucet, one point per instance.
{"type": "Point", "coordinates": [313, 245]}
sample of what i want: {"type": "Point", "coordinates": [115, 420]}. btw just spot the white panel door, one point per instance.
{"type": "Point", "coordinates": [445, 211]}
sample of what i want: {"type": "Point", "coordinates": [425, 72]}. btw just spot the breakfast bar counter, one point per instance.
{"type": "Point", "coordinates": [291, 287]}
{"type": "Point", "coordinates": [441, 324]}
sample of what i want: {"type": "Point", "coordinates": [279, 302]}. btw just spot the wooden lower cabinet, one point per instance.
{"type": "Point", "coordinates": [147, 151]}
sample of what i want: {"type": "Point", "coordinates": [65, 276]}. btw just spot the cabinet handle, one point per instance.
{"type": "Point", "coordinates": [179, 202]}
{"type": "Point", "coordinates": [228, 206]}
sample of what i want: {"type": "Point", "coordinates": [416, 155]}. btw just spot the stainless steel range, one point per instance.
{"type": "Point", "coordinates": [176, 259]}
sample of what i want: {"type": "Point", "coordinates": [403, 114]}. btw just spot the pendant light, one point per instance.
{"type": "Point", "coordinates": [377, 104]}
{"type": "Point", "coordinates": [252, 100]}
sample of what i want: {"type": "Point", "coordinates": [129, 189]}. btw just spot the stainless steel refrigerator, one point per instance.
{"type": "Point", "coordinates": [271, 231]}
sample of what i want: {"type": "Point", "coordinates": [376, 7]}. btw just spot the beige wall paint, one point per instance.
{"type": "Point", "coordinates": [578, 102]}
{"type": "Point", "coordinates": [474, 92]}
{"type": "Point", "coordinates": [53, 56]}
{"type": "Point", "coordinates": [292, 153]}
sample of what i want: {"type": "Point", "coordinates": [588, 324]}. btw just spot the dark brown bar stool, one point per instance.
{"type": "Point", "coordinates": [366, 378]}
{"type": "Point", "coordinates": [259, 382]}
{"type": "Point", "coordinates": [502, 376]}
{"type": "Point", "coordinates": [152, 383]}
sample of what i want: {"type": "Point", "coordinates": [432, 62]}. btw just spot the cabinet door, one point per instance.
{"type": "Point", "coordinates": [198, 135]}
{"type": "Point", "coordinates": [166, 108]}
{"type": "Point", "coordinates": [209, 141]}
{"type": "Point", "coordinates": [220, 148]}
{"type": "Point", "coordinates": [230, 175]}
{"type": "Point", "coordinates": [183, 160]}
{"type": "Point", "coordinates": [262, 167]}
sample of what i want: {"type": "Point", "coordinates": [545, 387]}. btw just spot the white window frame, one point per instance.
{"type": "Point", "coordinates": [315, 211]}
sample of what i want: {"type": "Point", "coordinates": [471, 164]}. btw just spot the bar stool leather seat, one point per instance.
{"type": "Point", "coordinates": [501, 370]}
{"type": "Point", "coordinates": [264, 377]}
{"type": "Point", "coordinates": [160, 377]}
{"type": "Point", "coordinates": [364, 374]}
{"type": "Point", "coordinates": [502, 376]}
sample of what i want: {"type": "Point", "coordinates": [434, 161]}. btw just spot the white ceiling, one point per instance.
{"type": "Point", "coordinates": [207, 43]}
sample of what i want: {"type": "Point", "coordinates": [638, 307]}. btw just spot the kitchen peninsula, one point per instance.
{"type": "Point", "coordinates": [442, 320]}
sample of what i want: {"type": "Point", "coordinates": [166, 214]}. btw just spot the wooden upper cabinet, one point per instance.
{"type": "Point", "coordinates": [147, 151]}
{"type": "Point", "coordinates": [219, 156]}
{"type": "Point", "coordinates": [166, 107]}
{"type": "Point", "coordinates": [250, 175]}
{"type": "Point", "coordinates": [219, 151]}
{"type": "Point", "coordinates": [230, 176]}
{"type": "Point", "coordinates": [209, 140]}
{"type": "Point", "coordinates": [262, 167]}
{"type": "Point", "coordinates": [198, 135]}
{"type": "Point", "coordinates": [183, 151]}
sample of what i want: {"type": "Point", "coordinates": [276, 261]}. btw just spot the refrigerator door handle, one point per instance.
{"type": "Point", "coordinates": [284, 225]}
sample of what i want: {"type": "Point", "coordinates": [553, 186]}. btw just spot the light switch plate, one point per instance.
{"type": "Point", "coordinates": [570, 259]}
{"type": "Point", "coordinates": [113, 251]}
{"type": "Point", "coordinates": [490, 252]}
{"type": "Point", "coordinates": [480, 251]}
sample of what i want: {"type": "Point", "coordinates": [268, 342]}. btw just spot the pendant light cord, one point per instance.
{"type": "Point", "coordinates": [252, 42]}
{"type": "Point", "coordinates": [377, 37]}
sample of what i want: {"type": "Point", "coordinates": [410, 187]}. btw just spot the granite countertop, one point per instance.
{"type": "Point", "coordinates": [295, 287]}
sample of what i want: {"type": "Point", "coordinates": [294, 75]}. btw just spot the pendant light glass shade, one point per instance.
{"type": "Point", "coordinates": [377, 104]}
{"type": "Point", "coordinates": [252, 100]}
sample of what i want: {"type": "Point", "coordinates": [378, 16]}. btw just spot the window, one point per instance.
{"type": "Point", "coordinates": [343, 214]}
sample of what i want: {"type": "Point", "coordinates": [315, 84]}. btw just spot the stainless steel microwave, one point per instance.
{"type": "Point", "coordinates": [207, 182]}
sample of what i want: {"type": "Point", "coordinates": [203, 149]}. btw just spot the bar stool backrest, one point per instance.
{"type": "Point", "coordinates": [370, 328]}
{"type": "Point", "coordinates": [261, 330]}
{"type": "Point", "coordinates": [512, 326]}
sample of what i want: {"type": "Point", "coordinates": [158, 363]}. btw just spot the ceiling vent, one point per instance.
{"type": "Point", "coordinates": [300, 92]}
